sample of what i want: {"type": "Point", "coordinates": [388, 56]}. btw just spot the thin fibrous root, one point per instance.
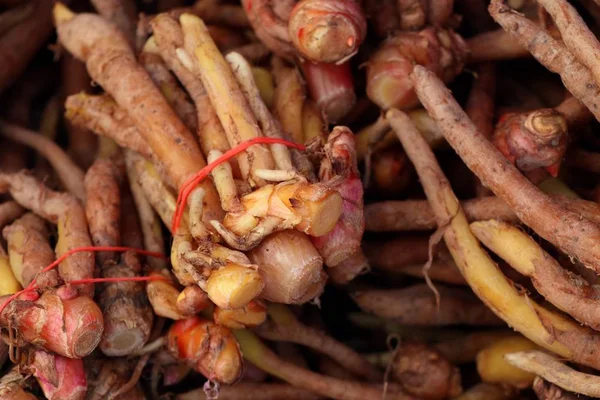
{"type": "Point", "coordinates": [554, 371]}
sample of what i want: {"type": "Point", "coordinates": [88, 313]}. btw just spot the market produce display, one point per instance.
{"type": "Point", "coordinates": [299, 199]}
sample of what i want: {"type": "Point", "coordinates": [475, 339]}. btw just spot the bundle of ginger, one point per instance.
{"type": "Point", "coordinates": [299, 199]}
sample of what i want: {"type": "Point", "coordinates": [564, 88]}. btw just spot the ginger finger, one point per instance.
{"type": "Point", "coordinates": [69, 173]}
{"type": "Point", "coordinates": [104, 117]}
{"type": "Point", "coordinates": [29, 251]}
{"type": "Point", "coordinates": [569, 233]}
{"type": "Point", "coordinates": [416, 305]}
{"type": "Point", "coordinates": [580, 41]}
{"type": "Point", "coordinates": [269, 126]}
{"type": "Point", "coordinates": [253, 52]}
{"type": "Point", "coordinates": [553, 55]}
{"type": "Point", "coordinates": [169, 87]}
{"type": "Point", "coordinates": [192, 300]}
{"type": "Point", "coordinates": [169, 37]}
{"type": "Point", "coordinates": [122, 13]}
{"type": "Point", "coordinates": [66, 212]}
{"type": "Point", "coordinates": [225, 95]}
{"type": "Point", "coordinates": [210, 349]}
{"type": "Point", "coordinates": [567, 291]}
{"type": "Point", "coordinates": [331, 86]}
{"type": "Point", "coordinates": [131, 87]}
{"type": "Point", "coordinates": [59, 320]}
{"type": "Point", "coordinates": [554, 371]}
{"type": "Point", "coordinates": [282, 325]}
{"type": "Point", "coordinates": [313, 123]}
{"type": "Point", "coordinates": [223, 179]}
{"type": "Point", "coordinates": [288, 99]}
{"type": "Point", "coordinates": [252, 315]}
{"type": "Point", "coordinates": [102, 206]}
{"type": "Point", "coordinates": [545, 328]}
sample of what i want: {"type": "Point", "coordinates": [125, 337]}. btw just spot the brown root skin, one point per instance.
{"type": "Point", "coordinates": [550, 53]}
{"type": "Point", "coordinates": [288, 99]}
{"type": "Point", "coordinates": [131, 87]}
{"type": "Point", "coordinates": [59, 320]}
{"type": "Point", "coordinates": [570, 234]}
{"type": "Point", "coordinates": [23, 41]}
{"type": "Point", "coordinates": [328, 32]}
{"type": "Point", "coordinates": [102, 207]}
{"type": "Point", "coordinates": [210, 349]}
{"type": "Point", "coordinates": [423, 372]}
{"type": "Point", "coordinates": [82, 142]}
{"type": "Point", "coordinates": [127, 313]}
{"type": "Point", "coordinates": [59, 377]}
{"type": "Point", "coordinates": [13, 384]}
{"type": "Point", "coordinates": [282, 325]}
{"type": "Point", "coordinates": [290, 266]}
{"type": "Point", "coordinates": [481, 102]}
{"type": "Point", "coordinates": [416, 305]}
{"type": "Point", "coordinates": [122, 13]}
{"type": "Point", "coordinates": [169, 87]}
{"type": "Point", "coordinates": [546, 328]}
{"type": "Point", "coordinates": [263, 357]}
{"type": "Point", "coordinates": [269, 27]}
{"type": "Point", "coordinates": [393, 254]}
{"type": "Point", "coordinates": [67, 213]}
{"type": "Point", "coordinates": [101, 115]}
{"type": "Point", "coordinates": [29, 251]}
{"type": "Point", "coordinates": [388, 70]}
{"type": "Point", "coordinates": [69, 173]}
{"type": "Point", "coordinates": [496, 45]}
{"type": "Point", "coordinates": [553, 370]}
{"type": "Point", "coordinates": [331, 86]}
{"type": "Point", "coordinates": [533, 140]}
{"type": "Point", "coordinates": [255, 391]}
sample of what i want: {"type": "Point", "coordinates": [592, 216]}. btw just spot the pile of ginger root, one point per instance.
{"type": "Point", "coordinates": [299, 199]}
